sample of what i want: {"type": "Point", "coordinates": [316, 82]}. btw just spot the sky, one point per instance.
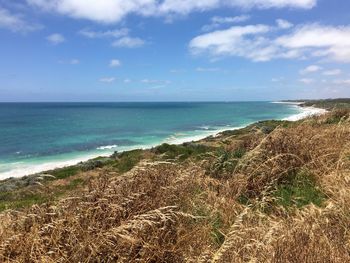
{"type": "Point", "coordinates": [174, 50]}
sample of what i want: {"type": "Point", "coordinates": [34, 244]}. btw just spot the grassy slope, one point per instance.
{"type": "Point", "coordinates": [275, 191]}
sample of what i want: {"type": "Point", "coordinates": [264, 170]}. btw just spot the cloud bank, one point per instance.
{"type": "Point", "coordinates": [121, 37]}
{"type": "Point", "coordinates": [16, 22]}
{"type": "Point", "coordinates": [260, 43]}
{"type": "Point", "coordinates": [113, 11]}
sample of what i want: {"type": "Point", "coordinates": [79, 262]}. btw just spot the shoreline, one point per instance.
{"type": "Point", "coordinates": [309, 111]}
{"type": "Point", "coordinates": [52, 165]}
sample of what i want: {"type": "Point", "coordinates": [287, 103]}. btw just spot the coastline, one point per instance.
{"type": "Point", "coordinates": [54, 164]}
{"type": "Point", "coordinates": [308, 112]}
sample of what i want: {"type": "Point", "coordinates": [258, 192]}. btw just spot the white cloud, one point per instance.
{"type": "Point", "coordinates": [332, 72]}
{"type": "Point", "coordinates": [112, 11]}
{"type": "Point", "coordinates": [115, 63]}
{"type": "Point", "coordinates": [107, 79]}
{"type": "Point", "coordinates": [307, 81]}
{"type": "Point", "coordinates": [342, 81]}
{"type": "Point", "coordinates": [200, 69]}
{"type": "Point", "coordinates": [279, 79]}
{"type": "Point", "coordinates": [106, 11]}
{"type": "Point", "coordinates": [74, 61]}
{"type": "Point", "coordinates": [177, 70]}
{"type": "Point", "coordinates": [186, 7]}
{"type": "Point", "coordinates": [284, 24]}
{"type": "Point", "coordinates": [128, 42]}
{"type": "Point", "coordinates": [116, 33]}
{"type": "Point", "coordinates": [305, 4]}
{"type": "Point", "coordinates": [157, 87]}
{"type": "Point", "coordinates": [231, 19]}
{"type": "Point", "coordinates": [258, 42]}
{"type": "Point", "coordinates": [319, 41]}
{"type": "Point", "coordinates": [16, 22]}
{"type": "Point", "coordinates": [56, 39]}
{"type": "Point", "coordinates": [244, 41]}
{"type": "Point", "coordinates": [155, 81]}
{"type": "Point", "coordinates": [127, 80]}
{"type": "Point", "coordinates": [310, 69]}
{"type": "Point", "coordinates": [217, 21]}
{"type": "Point", "coordinates": [121, 36]}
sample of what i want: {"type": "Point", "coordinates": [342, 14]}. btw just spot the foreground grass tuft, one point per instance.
{"type": "Point", "coordinates": [217, 224]}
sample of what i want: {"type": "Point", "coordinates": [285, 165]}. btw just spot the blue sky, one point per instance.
{"type": "Point", "coordinates": [174, 50]}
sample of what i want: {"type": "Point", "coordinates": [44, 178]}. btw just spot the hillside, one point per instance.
{"type": "Point", "coordinates": [275, 191]}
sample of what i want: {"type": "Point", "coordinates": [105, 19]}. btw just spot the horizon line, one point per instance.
{"type": "Point", "coordinates": [184, 101]}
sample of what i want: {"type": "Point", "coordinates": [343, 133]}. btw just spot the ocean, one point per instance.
{"type": "Point", "coordinates": [35, 137]}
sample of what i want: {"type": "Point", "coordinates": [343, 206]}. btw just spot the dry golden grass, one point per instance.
{"type": "Point", "coordinates": [175, 212]}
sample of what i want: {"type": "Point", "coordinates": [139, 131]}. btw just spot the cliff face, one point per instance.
{"type": "Point", "coordinates": [275, 191]}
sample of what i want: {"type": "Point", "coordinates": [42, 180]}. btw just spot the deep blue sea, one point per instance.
{"type": "Point", "coordinates": [39, 136]}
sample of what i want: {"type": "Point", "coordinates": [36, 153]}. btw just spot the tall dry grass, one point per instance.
{"type": "Point", "coordinates": [167, 212]}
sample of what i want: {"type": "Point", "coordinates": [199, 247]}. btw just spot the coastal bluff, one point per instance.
{"type": "Point", "coordinates": [274, 191]}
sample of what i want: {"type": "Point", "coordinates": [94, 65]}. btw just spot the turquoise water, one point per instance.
{"type": "Point", "coordinates": [39, 136]}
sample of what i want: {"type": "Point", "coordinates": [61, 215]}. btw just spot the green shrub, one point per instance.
{"type": "Point", "coordinates": [337, 116]}
{"type": "Point", "coordinates": [127, 160]}
{"type": "Point", "coordinates": [15, 201]}
{"type": "Point", "coordinates": [299, 190]}
{"type": "Point", "coordinates": [239, 153]}
{"type": "Point", "coordinates": [244, 200]}
{"type": "Point", "coordinates": [96, 163]}
{"type": "Point", "coordinates": [65, 172]}
{"type": "Point", "coordinates": [265, 126]}
{"type": "Point", "coordinates": [270, 125]}
{"type": "Point", "coordinates": [181, 152]}
{"type": "Point", "coordinates": [224, 163]}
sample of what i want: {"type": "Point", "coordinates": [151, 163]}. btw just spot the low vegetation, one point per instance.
{"type": "Point", "coordinates": [299, 190]}
{"type": "Point", "coordinates": [180, 152]}
{"type": "Point", "coordinates": [224, 162]}
{"type": "Point", "coordinates": [127, 160]}
{"type": "Point", "coordinates": [274, 191]}
{"type": "Point", "coordinates": [328, 104]}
